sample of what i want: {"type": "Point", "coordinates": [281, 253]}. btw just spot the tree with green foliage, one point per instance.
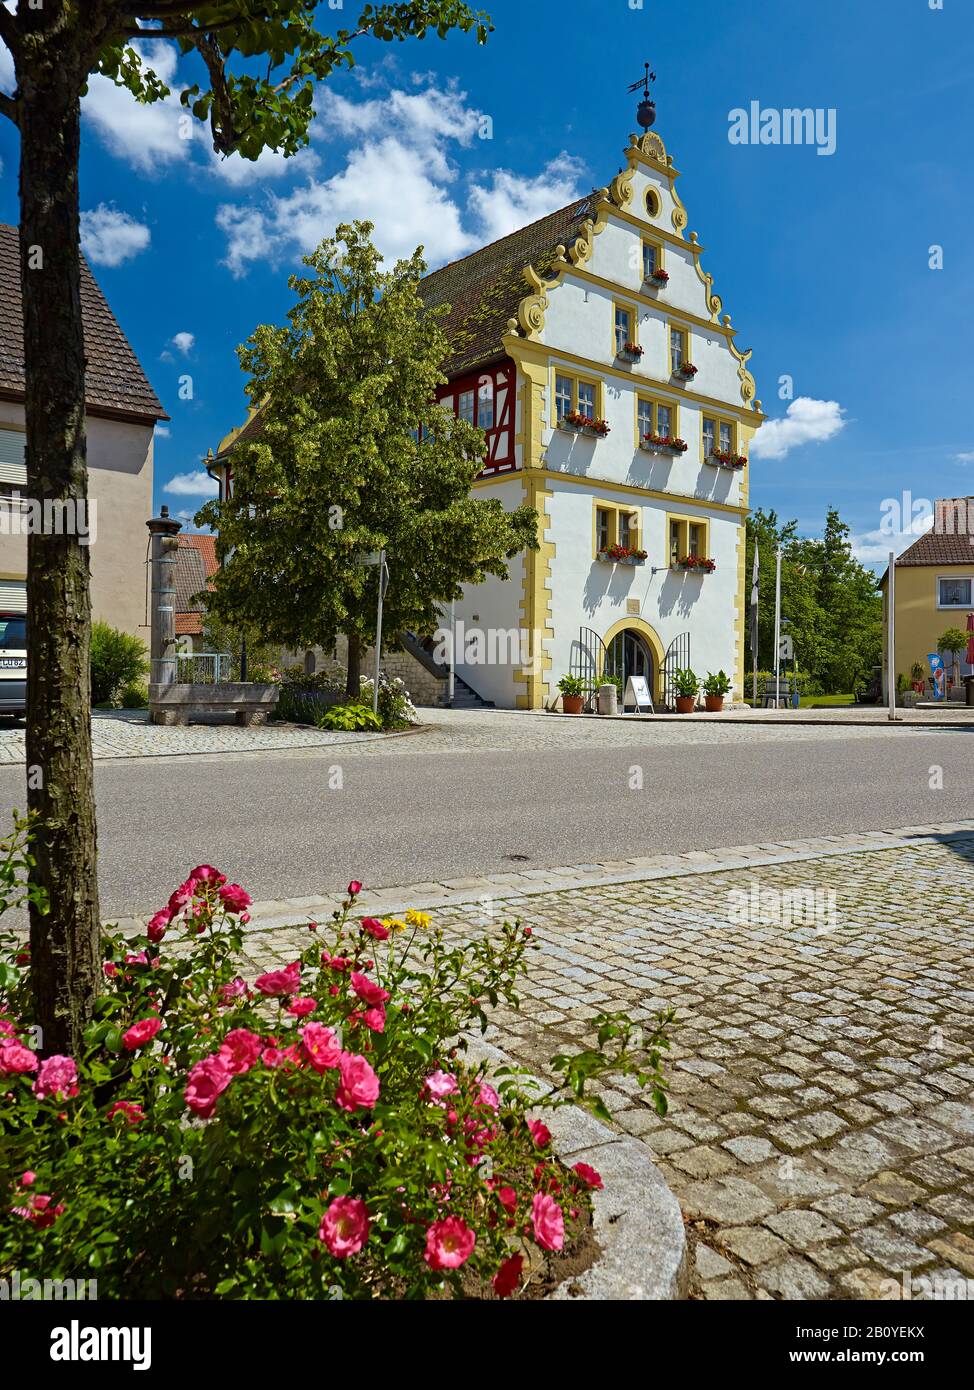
{"type": "Point", "coordinates": [118, 660]}
{"type": "Point", "coordinates": [257, 62]}
{"type": "Point", "coordinates": [354, 456]}
{"type": "Point", "coordinates": [952, 643]}
{"type": "Point", "coordinates": [831, 601]}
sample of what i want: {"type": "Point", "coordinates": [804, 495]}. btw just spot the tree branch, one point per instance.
{"type": "Point", "coordinates": [9, 107]}
{"type": "Point", "coordinates": [8, 29]}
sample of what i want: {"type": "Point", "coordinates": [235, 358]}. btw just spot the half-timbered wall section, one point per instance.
{"type": "Point", "coordinates": [485, 398]}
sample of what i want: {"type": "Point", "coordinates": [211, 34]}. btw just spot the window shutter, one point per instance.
{"type": "Point", "coordinates": [13, 596]}
{"type": "Point", "coordinates": [13, 469]}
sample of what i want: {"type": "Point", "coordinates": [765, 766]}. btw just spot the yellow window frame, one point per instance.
{"type": "Point", "coordinates": [674, 326]}
{"type": "Point", "coordinates": [577, 381]}
{"type": "Point", "coordinates": [654, 402]}
{"type": "Point", "coordinates": [615, 510]}
{"type": "Point", "coordinates": [658, 248]}
{"type": "Point", "coordinates": [683, 523]}
{"type": "Point", "coordinates": [621, 306]}
{"type": "Point", "coordinates": [719, 420]}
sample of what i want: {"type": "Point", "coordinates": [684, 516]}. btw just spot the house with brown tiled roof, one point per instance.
{"type": "Point", "coordinates": [592, 351]}
{"type": "Point", "coordinates": [121, 413]}
{"type": "Point", "coordinates": [934, 591]}
{"type": "Point", "coordinates": [195, 566]}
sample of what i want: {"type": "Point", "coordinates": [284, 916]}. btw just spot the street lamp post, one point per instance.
{"type": "Point", "coordinates": [377, 558]}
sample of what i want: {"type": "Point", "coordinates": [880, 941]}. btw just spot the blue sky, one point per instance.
{"type": "Point", "coordinates": [823, 261]}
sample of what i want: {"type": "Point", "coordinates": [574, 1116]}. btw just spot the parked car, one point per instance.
{"type": "Point", "coordinates": [13, 665]}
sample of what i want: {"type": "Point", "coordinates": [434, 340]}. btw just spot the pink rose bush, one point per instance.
{"type": "Point", "coordinates": [225, 1132]}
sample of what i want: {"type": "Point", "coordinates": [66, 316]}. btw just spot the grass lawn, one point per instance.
{"type": "Point", "coordinates": [826, 701]}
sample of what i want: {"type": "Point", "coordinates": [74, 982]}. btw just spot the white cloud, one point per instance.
{"type": "Point", "coordinates": [147, 136]}
{"type": "Point", "coordinates": [183, 342]}
{"type": "Point", "coordinates": [806, 422]}
{"type": "Point", "coordinates": [239, 173]}
{"type": "Point", "coordinates": [964, 458]}
{"type": "Point", "coordinates": [110, 237]}
{"type": "Point", "coordinates": [163, 431]}
{"type": "Point", "coordinates": [198, 484]}
{"type": "Point", "coordinates": [873, 547]}
{"type": "Point", "coordinates": [398, 174]}
{"type": "Point", "coordinates": [509, 201]}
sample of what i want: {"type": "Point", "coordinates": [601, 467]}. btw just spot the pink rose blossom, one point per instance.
{"type": "Point", "coordinates": [547, 1221]}
{"type": "Point", "coordinates": [449, 1244]}
{"type": "Point", "coordinates": [322, 1047]}
{"type": "Point", "coordinates": [240, 1050]}
{"type": "Point", "coordinates": [136, 958]}
{"type": "Point", "coordinates": [354, 888]}
{"type": "Point", "coordinates": [156, 926]}
{"type": "Point", "coordinates": [300, 1008]}
{"type": "Point", "coordinates": [280, 982]}
{"type": "Point", "coordinates": [28, 1178]}
{"type": "Point", "coordinates": [507, 1278]}
{"type": "Point", "coordinates": [58, 1077]}
{"type": "Point", "coordinates": [589, 1176]}
{"type": "Point", "coordinates": [540, 1133]}
{"type": "Point", "coordinates": [206, 1082]}
{"type": "Point", "coordinates": [236, 989]}
{"type": "Point", "coordinates": [488, 1096]}
{"type": "Point", "coordinates": [345, 1227]}
{"type": "Point", "coordinates": [281, 1056]}
{"type": "Point", "coordinates": [359, 1087]}
{"type": "Point", "coordinates": [205, 873]}
{"type": "Point", "coordinates": [439, 1085]}
{"type": "Point", "coordinates": [15, 1058]}
{"type": "Point", "coordinates": [132, 1113]}
{"type": "Point", "coordinates": [7, 1030]}
{"type": "Point", "coordinates": [375, 1018]}
{"type": "Point", "coordinates": [373, 927]}
{"type": "Point", "coordinates": [234, 898]}
{"type": "Point", "coordinates": [140, 1033]}
{"type": "Point", "coordinates": [367, 990]}
{"type": "Point", "coordinates": [39, 1210]}
{"type": "Point", "coordinates": [183, 896]}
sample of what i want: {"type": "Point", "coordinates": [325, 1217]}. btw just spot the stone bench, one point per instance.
{"type": "Point", "coordinates": [250, 703]}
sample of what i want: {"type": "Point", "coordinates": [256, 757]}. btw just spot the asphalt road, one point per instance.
{"type": "Point", "coordinates": [272, 823]}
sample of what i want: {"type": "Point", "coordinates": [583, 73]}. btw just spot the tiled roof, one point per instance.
{"type": "Point", "coordinates": [196, 563]}
{"type": "Point", "coordinates": [114, 381]}
{"type": "Point", "coordinates": [485, 288]}
{"type": "Point", "coordinates": [937, 547]}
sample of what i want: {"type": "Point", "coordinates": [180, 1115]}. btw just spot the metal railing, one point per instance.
{"type": "Point", "coordinates": [203, 668]}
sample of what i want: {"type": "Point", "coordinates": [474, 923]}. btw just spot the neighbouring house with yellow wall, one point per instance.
{"type": "Point", "coordinates": [934, 588]}
{"type": "Point", "coordinates": [592, 351]}
{"type": "Point", "coordinates": [121, 412]}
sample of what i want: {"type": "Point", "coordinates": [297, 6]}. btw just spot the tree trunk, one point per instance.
{"type": "Point", "coordinates": [65, 951]}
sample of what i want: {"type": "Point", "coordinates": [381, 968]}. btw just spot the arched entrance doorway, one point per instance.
{"type": "Point", "coordinates": [632, 648]}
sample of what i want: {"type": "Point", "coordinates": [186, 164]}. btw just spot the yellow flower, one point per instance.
{"type": "Point", "coordinates": [394, 924]}
{"type": "Point", "coordinates": [422, 920]}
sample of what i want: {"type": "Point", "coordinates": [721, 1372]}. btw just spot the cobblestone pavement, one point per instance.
{"type": "Point", "coordinates": [128, 734]}
{"type": "Point", "coordinates": [820, 1136]}
{"type": "Point", "coordinates": [123, 734]}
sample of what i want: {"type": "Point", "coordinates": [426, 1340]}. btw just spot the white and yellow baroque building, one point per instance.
{"type": "Point", "coordinates": [541, 324]}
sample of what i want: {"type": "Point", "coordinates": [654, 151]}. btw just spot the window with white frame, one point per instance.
{"type": "Point", "coordinates": [563, 396]}
{"type": "Point", "coordinates": [664, 421]}
{"type": "Point", "coordinates": [586, 399]}
{"type": "Point", "coordinates": [627, 529]}
{"type": "Point", "coordinates": [466, 408]}
{"type": "Point", "coordinates": [603, 520]}
{"type": "Point", "coordinates": [678, 348]}
{"type": "Point", "coordinates": [623, 328]}
{"type": "Point", "coordinates": [726, 438]}
{"type": "Point", "coordinates": [644, 416]}
{"type": "Point", "coordinates": [709, 437]}
{"type": "Point", "coordinates": [650, 260]}
{"type": "Point", "coordinates": [954, 593]}
{"type": "Point", "coordinates": [485, 406]}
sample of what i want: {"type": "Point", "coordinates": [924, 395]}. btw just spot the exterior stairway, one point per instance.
{"type": "Point", "coordinates": [464, 696]}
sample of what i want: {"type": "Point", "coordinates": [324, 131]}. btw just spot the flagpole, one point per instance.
{"type": "Point", "coordinates": [755, 616]}
{"type": "Point", "coordinates": [891, 639]}
{"type": "Point", "coordinates": [777, 629]}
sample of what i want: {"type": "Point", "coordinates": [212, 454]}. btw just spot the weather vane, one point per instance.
{"type": "Point", "coordinates": [646, 114]}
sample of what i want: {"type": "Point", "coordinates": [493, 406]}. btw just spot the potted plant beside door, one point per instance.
{"type": "Point", "coordinates": [572, 694]}
{"type": "Point", "coordinates": [714, 690]}
{"type": "Point", "coordinates": [686, 685]}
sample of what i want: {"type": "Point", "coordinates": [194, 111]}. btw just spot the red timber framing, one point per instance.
{"type": "Point", "coordinates": [486, 398]}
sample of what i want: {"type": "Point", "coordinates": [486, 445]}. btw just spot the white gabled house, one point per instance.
{"type": "Point", "coordinates": [592, 348]}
